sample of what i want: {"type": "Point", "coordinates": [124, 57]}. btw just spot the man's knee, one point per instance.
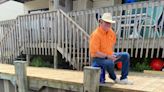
{"type": "Point", "coordinates": [109, 63]}
{"type": "Point", "coordinates": [125, 55]}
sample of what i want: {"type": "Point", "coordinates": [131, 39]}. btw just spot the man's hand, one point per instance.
{"type": "Point", "coordinates": [113, 58]}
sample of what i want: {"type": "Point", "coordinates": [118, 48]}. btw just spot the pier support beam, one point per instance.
{"type": "Point", "coordinates": [55, 60]}
{"type": "Point", "coordinates": [28, 59]}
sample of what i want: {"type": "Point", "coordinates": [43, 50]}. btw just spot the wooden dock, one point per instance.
{"type": "Point", "coordinates": [68, 79]}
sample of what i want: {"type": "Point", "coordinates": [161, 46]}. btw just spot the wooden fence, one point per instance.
{"type": "Point", "coordinates": [139, 26]}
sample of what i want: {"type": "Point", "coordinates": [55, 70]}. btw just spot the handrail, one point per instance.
{"type": "Point", "coordinates": [75, 23]}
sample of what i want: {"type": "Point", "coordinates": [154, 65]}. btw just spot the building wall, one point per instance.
{"type": "Point", "coordinates": [10, 10]}
{"type": "Point", "coordinates": [50, 4]}
{"type": "Point", "coordinates": [35, 5]}
{"type": "Point", "coordinates": [93, 4]}
{"type": "Point", "coordinates": [102, 3]}
{"type": "Point", "coordinates": [105, 3]}
{"type": "Point", "coordinates": [68, 6]}
{"type": "Point", "coordinates": [75, 2]}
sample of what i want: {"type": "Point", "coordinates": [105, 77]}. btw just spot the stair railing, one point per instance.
{"type": "Point", "coordinates": [73, 40]}
{"type": "Point", "coordinates": [8, 41]}
{"type": "Point", "coordinates": [44, 33]}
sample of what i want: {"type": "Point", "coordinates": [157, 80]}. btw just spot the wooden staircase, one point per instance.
{"type": "Point", "coordinates": [49, 32]}
{"type": "Point", "coordinates": [79, 56]}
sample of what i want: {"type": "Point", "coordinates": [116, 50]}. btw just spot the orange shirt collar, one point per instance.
{"type": "Point", "coordinates": [102, 31]}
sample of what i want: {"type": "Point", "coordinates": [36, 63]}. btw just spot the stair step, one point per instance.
{"type": "Point", "coordinates": [21, 59]}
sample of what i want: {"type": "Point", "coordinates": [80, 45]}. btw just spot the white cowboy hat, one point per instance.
{"type": "Point", "coordinates": [107, 17]}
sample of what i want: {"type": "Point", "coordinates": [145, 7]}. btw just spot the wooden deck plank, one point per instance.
{"type": "Point", "coordinates": [46, 73]}
{"type": "Point", "coordinates": [142, 82]}
{"type": "Point", "coordinates": [154, 72]}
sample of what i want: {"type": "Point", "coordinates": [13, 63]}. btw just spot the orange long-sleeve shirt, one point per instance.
{"type": "Point", "coordinates": [102, 41]}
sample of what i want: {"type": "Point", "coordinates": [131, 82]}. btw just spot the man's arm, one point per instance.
{"type": "Point", "coordinates": [103, 55]}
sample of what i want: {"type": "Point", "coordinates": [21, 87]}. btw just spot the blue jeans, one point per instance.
{"type": "Point", "coordinates": [102, 74]}
{"type": "Point", "coordinates": [108, 65]}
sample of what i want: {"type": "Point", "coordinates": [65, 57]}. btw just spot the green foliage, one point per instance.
{"type": "Point", "coordinates": [140, 67]}
{"type": "Point", "coordinates": [141, 64]}
{"type": "Point", "coordinates": [38, 62]}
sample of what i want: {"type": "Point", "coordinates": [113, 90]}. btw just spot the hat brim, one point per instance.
{"type": "Point", "coordinates": [110, 21]}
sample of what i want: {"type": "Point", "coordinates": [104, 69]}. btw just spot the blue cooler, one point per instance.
{"type": "Point", "coordinates": [129, 1]}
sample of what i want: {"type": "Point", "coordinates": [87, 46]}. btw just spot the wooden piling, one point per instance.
{"type": "Point", "coordinates": [91, 79]}
{"type": "Point", "coordinates": [21, 75]}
